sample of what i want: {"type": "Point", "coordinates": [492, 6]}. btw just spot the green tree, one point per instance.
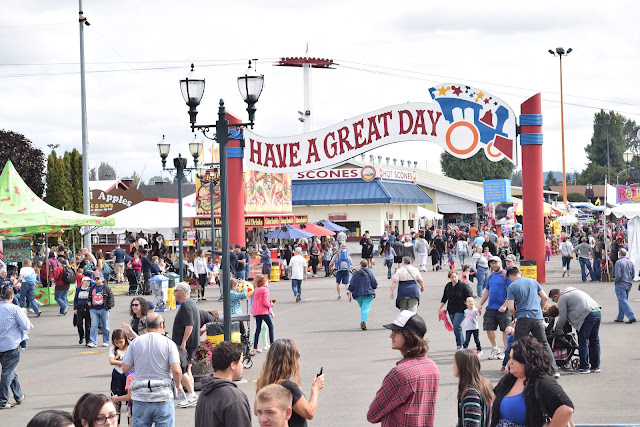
{"type": "Point", "coordinates": [58, 182]}
{"type": "Point", "coordinates": [606, 146]}
{"type": "Point", "coordinates": [593, 174]}
{"type": "Point", "coordinates": [550, 179]}
{"type": "Point", "coordinates": [26, 158]}
{"type": "Point", "coordinates": [106, 171]}
{"type": "Point", "coordinates": [516, 178]}
{"type": "Point", "coordinates": [476, 168]}
{"type": "Point", "coordinates": [576, 197]}
{"type": "Point", "coordinates": [93, 174]}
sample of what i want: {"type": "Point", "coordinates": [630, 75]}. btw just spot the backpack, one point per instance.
{"type": "Point", "coordinates": [503, 273]}
{"type": "Point", "coordinates": [68, 276]}
{"type": "Point", "coordinates": [343, 261]}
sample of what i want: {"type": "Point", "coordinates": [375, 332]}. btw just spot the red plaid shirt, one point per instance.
{"type": "Point", "coordinates": [408, 395]}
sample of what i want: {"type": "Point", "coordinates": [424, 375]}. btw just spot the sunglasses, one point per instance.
{"type": "Point", "coordinates": [135, 305]}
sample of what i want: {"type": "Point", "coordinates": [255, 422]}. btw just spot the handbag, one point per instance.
{"type": "Point", "coordinates": [570, 255]}
{"type": "Point", "coordinates": [545, 413]}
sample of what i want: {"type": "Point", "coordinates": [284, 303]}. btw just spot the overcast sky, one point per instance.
{"type": "Point", "coordinates": [389, 53]}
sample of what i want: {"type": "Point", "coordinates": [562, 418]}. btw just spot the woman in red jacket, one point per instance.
{"type": "Point", "coordinates": [261, 308]}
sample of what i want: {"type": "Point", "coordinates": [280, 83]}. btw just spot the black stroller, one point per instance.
{"type": "Point", "coordinates": [564, 345]}
{"type": "Point", "coordinates": [135, 285]}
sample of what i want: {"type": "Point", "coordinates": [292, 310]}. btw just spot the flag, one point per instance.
{"type": "Point", "coordinates": [597, 203]}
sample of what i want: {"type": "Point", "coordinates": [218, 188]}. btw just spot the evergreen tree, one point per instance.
{"type": "Point", "coordinates": [550, 180]}
{"type": "Point", "coordinates": [516, 178]}
{"type": "Point", "coordinates": [476, 168]}
{"type": "Point", "coordinates": [106, 171]}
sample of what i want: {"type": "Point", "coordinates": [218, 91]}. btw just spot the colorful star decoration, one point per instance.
{"type": "Point", "coordinates": [443, 90]}
{"type": "Point", "coordinates": [456, 90]}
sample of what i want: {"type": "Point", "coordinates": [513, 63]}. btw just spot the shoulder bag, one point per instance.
{"type": "Point", "coordinates": [545, 412]}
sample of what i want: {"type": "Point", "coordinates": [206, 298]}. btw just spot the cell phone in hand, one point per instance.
{"type": "Point", "coordinates": [320, 373]}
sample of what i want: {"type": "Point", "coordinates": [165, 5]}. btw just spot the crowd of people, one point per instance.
{"type": "Point", "coordinates": [150, 368]}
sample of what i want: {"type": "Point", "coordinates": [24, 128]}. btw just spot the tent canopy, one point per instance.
{"type": "Point", "coordinates": [331, 226]}
{"type": "Point", "coordinates": [547, 209]}
{"type": "Point", "coordinates": [287, 232]}
{"type": "Point", "coordinates": [316, 230]}
{"type": "Point", "coordinates": [22, 212]}
{"type": "Point", "coordinates": [149, 217]}
{"type": "Point", "coordinates": [428, 214]}
{"type": "Point", "coordinates": [627, 210]}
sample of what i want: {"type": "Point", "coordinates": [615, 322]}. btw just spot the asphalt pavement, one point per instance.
{"type": "Point", "coordinates": [55, 371]}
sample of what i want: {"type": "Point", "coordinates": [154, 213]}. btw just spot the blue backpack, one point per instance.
{"type": "Point", "coordinates": [343, 261]}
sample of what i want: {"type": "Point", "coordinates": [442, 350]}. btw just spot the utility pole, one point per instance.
{"type": "Point", "coordinates": [86, 201]}
{"type": "Point", "coordinates": [307, 64]}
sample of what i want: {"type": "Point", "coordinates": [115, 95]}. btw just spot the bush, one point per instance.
{"type": "Point", "coordinates": [576, 197]}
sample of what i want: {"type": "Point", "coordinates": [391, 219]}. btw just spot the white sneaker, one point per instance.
{"type": "Point", "coordinates": [39, 303]}
{"type": "Point", "coordinates": [266, 348]}
{"type": "Point", "coordinates": [92, 345]}
{"type": "Point", "coordinates": [105, 344]}
{"type": "Point", "coordinates": [188, 402]}
{"type": "Point", "coordinates": [494, 353]}
{"type": "Point", "coordinates": [30, 310]}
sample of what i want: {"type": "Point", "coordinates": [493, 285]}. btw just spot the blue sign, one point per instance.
{"type": "Point", "coordinates": [497, 190]}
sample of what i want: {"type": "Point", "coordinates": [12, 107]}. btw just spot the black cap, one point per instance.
{"type": "Point", "coordinates": [409, 321]}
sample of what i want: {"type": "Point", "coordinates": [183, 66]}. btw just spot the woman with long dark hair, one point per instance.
{"type": "Point", "coordinates": [528, 395]}
{"type": "Point", "coordinates": [282, 367]}
{"type": "Point", "coordinates": [475, 392]}
{"type": "Point", "coordinates": [389, 256]}
{"type": "Point", "coordinates": [138, 310]}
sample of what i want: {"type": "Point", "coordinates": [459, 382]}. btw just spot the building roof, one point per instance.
{"type": "Point", "coordinates": [598, 190]}
{"type": "Point", "coordinates": [166, 191]}
{"type": "Point", "coordinates": [356, 191]}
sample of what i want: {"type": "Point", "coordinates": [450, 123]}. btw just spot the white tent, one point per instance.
{"type": "Point", "coordinates": [631, 212]}
{"type": "Point", "coordinates": [428, 214]}
{"type": "Point", "coordinates": [149, 217]}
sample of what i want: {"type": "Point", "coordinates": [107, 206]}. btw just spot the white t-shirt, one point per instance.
{"type": "Point", "coordinates": [298, 267]}
{"type": "Point", "coordinates": [118, 353]}
{"type": "Point", "coordinates": [470, 321]}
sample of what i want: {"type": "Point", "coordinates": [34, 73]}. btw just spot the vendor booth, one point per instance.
{"type": "Point", "coordinates": [630, 212]}
{"type": "Point", "coordinates": [22, 213]}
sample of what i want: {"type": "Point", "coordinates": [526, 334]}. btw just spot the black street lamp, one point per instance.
{"type": "Point", "coordinates": [250, 85]}
{"type": "Point", "coordinates": [179, 169]}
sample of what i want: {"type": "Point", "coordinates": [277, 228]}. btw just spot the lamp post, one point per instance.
{"type": "Point", "coordinates": [213, 177]}
{"type": "Point", "coordinates": [179, 169]}
{"type": "Point", "coordinates": [250, 85]}
{"type": "Point", "coordinates": [560, 51]}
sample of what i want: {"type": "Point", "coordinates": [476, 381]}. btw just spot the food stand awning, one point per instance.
{"type": "Point", "coordinates": [547, 209]}
{"type": "Point", "coordinates": [287, 232]}
{"type": "Point", "coordinates": [149, 217]}
{"type": "Point", "coordinates": [331, 226]}
{"type": "Point", "coordinates": [316, 230]}
{"type": "Point", "coordinates": [22, 212]}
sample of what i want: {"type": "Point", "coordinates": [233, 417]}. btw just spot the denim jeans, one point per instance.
{"type": "Point", "coordinates": [456, 321]}
{"type": "Point", "coordinates": [99, 318]}
{"type": "Point", "coordinates": [585, 263]}
{"type": "Point", "coordinates": [9, 380]}
{"type": "Point", "coordinates": [566, 262]}
{"type": "Point", "coordinates": [27, 292]}
{"type": "Point", "coordinates": [389, 264]}
{"type": "Point", "coordinates": [296, 287]}
{"type": "Point", "coordinates": [589, 341]}
{"type": "Point", "coordinates": [535, 327]}
{"type": "Point", "coordinates": [146, 413]}
{"type": "Point", "coordinates": [462, 257]}
{"type": "Point", "coordinates": [476, 337]}
{"type": "Point", "coordinates": [326, 264]}
{"type": "Point", "coordinates": [597, 269]}
{"type": "Point", "coordinates": [240, 274]}
{"type": "Point", "coordinates": [61, 299]}
{"type": "Point", "coordinates": [365, 304]}
{"type": "Point", "coordinates": [247, 270]}
{"type": "Point", "coordinates": [442, 257]}
{"type": "Point", "coordinates": [481, 275]}
{"type": "Point", "coordinates": [267, 320]}
{"type": "Point", "coordinates": [624, 309]}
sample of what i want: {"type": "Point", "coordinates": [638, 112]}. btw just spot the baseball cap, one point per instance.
{"type": "Point", "coordinates": [511, 257]}
{"type": "Point", "coordinates": [299, 249]}
{"type": "Point", "coordinates": [86, 278]}
{"type": "Point", "coordinates": [496, 259]}
{"type": "Point", "coordinates": [151, 306]}
{"type": "Point", "coordinates": [409, 321]}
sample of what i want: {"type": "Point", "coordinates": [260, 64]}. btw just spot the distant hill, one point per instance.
{"type": "Point", "coordinates": [558, 176]}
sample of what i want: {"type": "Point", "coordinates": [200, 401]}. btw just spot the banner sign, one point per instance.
{"type": "Point", "coordinates": [497, 190]}
{"type": "Point", "coordinates": [203, 193]}
{"type": "Point", "coordinates": [107, 203]}
{"type": "Point", "coordinates": [268, 192]}
{"type": "Point", "coordinates": [463, 120]}
{"type": "Point", "coordinates": [15, 250]}
{"type": "Point", "coordinates": [367, 173]}
{"type": "Point", "coordinates": [627, 194]}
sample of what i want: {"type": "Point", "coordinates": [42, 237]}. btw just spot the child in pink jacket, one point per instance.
{"type": "Point", "coordinates": [261, 307]}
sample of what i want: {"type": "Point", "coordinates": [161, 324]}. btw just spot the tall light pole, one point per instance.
{"type": "Point", "coordinates": [180, 167]}
{"type": "Point", "coordinates": [250, 85]}
{"type": "Point", "coordinates": [560, 51]}
{"type": "Point", "coordinates": [86, 199]}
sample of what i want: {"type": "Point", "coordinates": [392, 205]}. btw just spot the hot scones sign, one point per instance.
{"type": "Point", "coordinates": [463, 120]}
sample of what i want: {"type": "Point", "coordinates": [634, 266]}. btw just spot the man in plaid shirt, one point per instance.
{"type": "Point", "coordinates": [408, 393]}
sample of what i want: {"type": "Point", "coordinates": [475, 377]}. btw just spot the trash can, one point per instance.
{"type": "Point", "coordinates": [529, 269]}
{"type": "Point", "coordinates": [275, 273]}
{"type": "Point", "coordinates": [215, 332]}
{"type": "Point", "coordinates": [160, 290]}
{"type": "Point", "coordinates": [173, 279]}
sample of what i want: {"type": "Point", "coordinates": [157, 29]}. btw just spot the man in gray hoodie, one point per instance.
{"type": "Point", "coordinates": [584, 314]}
{"type": "Point", "coordinates": [422, 250]}
{"type": "Point", "coordinates": [221, 403]}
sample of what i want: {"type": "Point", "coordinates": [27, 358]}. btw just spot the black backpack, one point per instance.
{"type": "Point", "coordinates": [68, 276]}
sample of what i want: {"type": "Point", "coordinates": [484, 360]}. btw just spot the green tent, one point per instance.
{"type": "Point", "coordinates": [22, 212]}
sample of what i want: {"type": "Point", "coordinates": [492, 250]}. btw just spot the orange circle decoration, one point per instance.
{"type": "Point", "coordinates": [494, 155]}
{"type": "Point", "coordinates": [474, 131]}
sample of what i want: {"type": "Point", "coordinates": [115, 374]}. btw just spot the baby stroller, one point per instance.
{"type": "Point", "coordinates": [564, 345]}
{"type": "Point", "coordinates": [244, 321]}
{"type": "Point", "coordinates": [135, 287]}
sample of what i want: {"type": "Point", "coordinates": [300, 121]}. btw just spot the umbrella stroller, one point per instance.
{"type": "Point", "coordinates": [135, 287]}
